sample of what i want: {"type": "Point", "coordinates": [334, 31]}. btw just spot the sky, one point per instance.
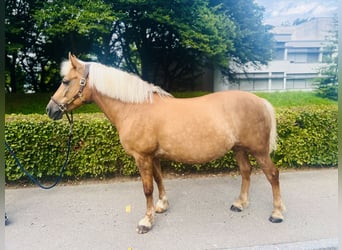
{"type": "Point", "coordinates": [282, 11]}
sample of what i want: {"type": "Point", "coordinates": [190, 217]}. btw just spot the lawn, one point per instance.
{"type": "Point", "coordinates": [36, 103]}
{"type": "Point", "coordinates": [295, 98]}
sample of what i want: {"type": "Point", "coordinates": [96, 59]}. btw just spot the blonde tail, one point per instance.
{"type": "Point", "coordinates": [273, 132]}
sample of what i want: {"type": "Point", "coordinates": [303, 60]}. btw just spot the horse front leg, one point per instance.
{"type": "Point", "coordinates": [162, 204]}
{"type": "Point", "coordinates": [145, 167]}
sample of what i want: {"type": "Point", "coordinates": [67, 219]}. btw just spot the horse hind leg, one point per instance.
{"type": "Point", "coordinates": [245, 171]}
{"type": "Point", "coordinates": [272, 175]}
{"type": "Point", "coordinates": [162, 204]}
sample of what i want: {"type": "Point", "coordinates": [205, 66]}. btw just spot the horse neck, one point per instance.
{"type": "Point", "coordinates": [115, 110]}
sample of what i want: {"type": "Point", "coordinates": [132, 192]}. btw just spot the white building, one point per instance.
{"type": "Point", "coordinates": [297, 57]}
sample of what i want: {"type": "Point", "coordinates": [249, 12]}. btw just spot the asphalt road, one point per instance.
{"type": "Point", "coordinates": [105, 215]}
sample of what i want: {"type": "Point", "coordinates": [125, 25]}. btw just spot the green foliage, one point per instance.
{"type": "Point", "coordinates": [172, 38]}
{"type": "Point", "coordinates": [41, 146]}
{"type": "Point", "coordinates": [253, 41]}
{"type": "Point", "coordinates": [327, 84]}
{"type": "Point", "coordinates": [30, 58]}
{"type": "Point", "coordinates": [26, 135]}
{"type": "Point", "coordinates": [307, 137]}
{"type": "Point", "coordinates": [63, 17]}
{"type": "Point", "coordinates": [166, 42]}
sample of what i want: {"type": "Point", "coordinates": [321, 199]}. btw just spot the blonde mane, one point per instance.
{"type": "Point", "coordinates": [119, 84]}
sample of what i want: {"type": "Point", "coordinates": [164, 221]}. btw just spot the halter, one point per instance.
{"type": "Point", "coordinates": [64, 106]}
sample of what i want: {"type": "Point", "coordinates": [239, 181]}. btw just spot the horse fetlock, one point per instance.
{"type": "Point", "coordinates": [162, 205]}
{"type": "Point", "coordinates": [282, 207]}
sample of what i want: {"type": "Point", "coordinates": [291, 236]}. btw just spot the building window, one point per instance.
{"type": "Point", "coordinates": [278, 51]}
{"type": "Point", "coordinates": [296, 57]}
{"type": "Point", "coordinates": [278, 54]}
{"type": "Point", "coordinates": [303, 55]}
{"type": "Point", "coordinates": [313, 57]}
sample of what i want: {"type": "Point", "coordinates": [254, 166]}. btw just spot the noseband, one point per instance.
{"type": "Point", "coordinates": [64, 106]}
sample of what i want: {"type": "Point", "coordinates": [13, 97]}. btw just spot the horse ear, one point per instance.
{"type": "Point", "coordinates": [73, 60]}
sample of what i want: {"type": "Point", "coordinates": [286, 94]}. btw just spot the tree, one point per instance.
{"type": "Point", "coordinates": [162, 41]}
{"type": "Point", "coordinates": [327, 85]}
{"type": "Point", "coordinates": [179, 38]}
{"type": "Point", "coordinates": [16, 17]}
{"type": "Point", "coordinates": [27, 66]}
{"type": "Point", "coordinates": [82, 27]}
{"type": "Point", "coordinates": [253, 41]}
{"type": "Point", "coordinates": [171, 38]}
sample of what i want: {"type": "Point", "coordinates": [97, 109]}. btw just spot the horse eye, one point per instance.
{"type": "Point", "coordinates": [66, 82]}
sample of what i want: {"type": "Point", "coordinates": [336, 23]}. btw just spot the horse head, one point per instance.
{"type": "Point", "coordinates": [73, 91]}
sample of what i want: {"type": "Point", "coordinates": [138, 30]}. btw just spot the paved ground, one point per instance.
{"type": "Point", "coordinates": [104, 216]}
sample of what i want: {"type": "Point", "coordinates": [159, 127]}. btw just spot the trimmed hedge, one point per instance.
{"type": "Point", "coordinates": [307, 137]}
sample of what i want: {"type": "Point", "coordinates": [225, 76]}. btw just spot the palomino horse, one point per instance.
{"type": "Point", "coordinates": [154, 125]}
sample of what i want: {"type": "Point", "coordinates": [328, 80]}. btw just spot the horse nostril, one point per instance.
{"type": "Point", "coordinates": [53, 111]}
{"type": "Point", "coordinates": [48, 112]}
{"type": "Point", "coordinates": [48, 109]}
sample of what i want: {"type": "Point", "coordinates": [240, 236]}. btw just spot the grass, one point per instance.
{"type": "Point", "coordinates": [295, 99]}
{"type": "Point", "coordinates": [36, 103]}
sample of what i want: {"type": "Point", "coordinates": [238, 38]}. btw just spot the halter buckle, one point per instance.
{"type": "Point", "coordinates": [82, 82]}
{"type": "Point", "coordinates": [62, 107]}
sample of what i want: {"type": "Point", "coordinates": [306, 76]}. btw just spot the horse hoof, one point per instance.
{"type": "Point", "coordinates": [235, 209]}
{"type": "Point", "coordinates": [142, 229]}
{"type": "Point", "coordinates": [275, 220]}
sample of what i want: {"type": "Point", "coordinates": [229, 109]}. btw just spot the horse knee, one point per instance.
{"type": "Point", "coordinates": [148, 189]}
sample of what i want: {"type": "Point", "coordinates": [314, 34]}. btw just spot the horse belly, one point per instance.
{"type": "Point", "coordinates": [195, 146]}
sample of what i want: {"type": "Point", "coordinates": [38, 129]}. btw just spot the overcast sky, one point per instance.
{"type": "Point", "coordinates": [281, 11]}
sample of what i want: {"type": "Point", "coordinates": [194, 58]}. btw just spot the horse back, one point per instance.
{"type": "Point", "coordinates": [213, 123]}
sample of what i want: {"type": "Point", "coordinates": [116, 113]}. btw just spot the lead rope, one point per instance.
{"type": "Point", "coordinates": [34, 180]}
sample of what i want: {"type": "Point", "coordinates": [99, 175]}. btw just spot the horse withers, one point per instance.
{"type": "Point", "coordinates": [152, 125]}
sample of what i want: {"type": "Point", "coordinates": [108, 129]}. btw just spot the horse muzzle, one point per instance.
{"type": "Point", "coordinates": [54, 111]}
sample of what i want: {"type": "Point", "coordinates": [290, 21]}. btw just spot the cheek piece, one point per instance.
{"type": "Point", "coordinates": [79, 95]}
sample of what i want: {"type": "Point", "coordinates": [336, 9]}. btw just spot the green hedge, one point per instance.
{"type": "Point", "coordinates": [307, 137]}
